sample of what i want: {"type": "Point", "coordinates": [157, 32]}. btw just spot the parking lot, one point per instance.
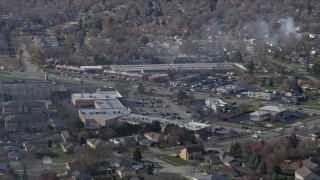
{"type": "Point", "coordinates": [157, 106]}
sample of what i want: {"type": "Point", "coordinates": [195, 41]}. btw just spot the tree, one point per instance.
{"type": "Point", "coordinates": [149, 170]}
{"type": "Point", "coordinates": [238, 57]}
{"type": "Point", "coordinates": [140, 89]}
{"type": "Point", "coordinates": [163, 22]}
{"type": "Point", "coordinates": [155, 126]}
{"type": "Point", "coordinates": [256, 163]}
{"type": "Point", "coordinates": [137, 156]}
{"type": "Point", "coordinates": [270, 82]}
{"type": "Point", "coordinates": [316, 69]}
{"type": "Point", "coordinates": [250, 67]}
{"type": "Point", "coordinates": [235, 149]}
{"type": "Point", "coordinates": [48, 174]}
{"type": "Point", "coordinates": [252, 158]}
{"type": "Point", "coordinates": [276, 169]}
{"type": "Point", "coordinates": [83, 140]}
{"type": "Point", "coordinates": [263, 82]}
{"type": "Point", "coordinates": [79, 124]}
{"type": "Point", "coordinates": [262, 168]}
{"type": "Point", "coordinates": [181, 95]}
{"type": "Point", "coordinates": [49, 143]}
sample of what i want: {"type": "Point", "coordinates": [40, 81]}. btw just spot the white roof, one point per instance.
{"type": "Point", "coordinates": [103, 114]}
{"type": "Point", "coordinates": [259, 113]}
{"type": "Point", "coordinates": [273, 109]}
{"type": "Point", "coordinates": [157, 67]}
{"type": "Point", "coordinates": [194, 126]}
{"type": "Point", "coordinates": [97, 95]}
{"type": "Point", "coordinates": [109, 104]}
{"type": "Point", "coordinates": [91, 67]}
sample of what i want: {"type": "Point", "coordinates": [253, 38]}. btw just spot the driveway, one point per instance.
{"type": "Point", "coordinates": [46, 160]}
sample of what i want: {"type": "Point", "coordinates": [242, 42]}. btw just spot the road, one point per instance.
{"type": "Point", "coordinates": [25, 57]}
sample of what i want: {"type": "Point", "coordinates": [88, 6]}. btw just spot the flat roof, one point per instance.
{"type": "Point", "coordinates": [91, 67]}
{"type": "Point", "coordinates": [273, 108]}
{"type": "Point", "coordinates": [194, 126]}
{"type": "Point", "coordinates": [109, 104]}
{"type": "Point", "coordinates": [103, 114]}
{"type": "Point", "coordinates": [97, 95]}
{"type": "Point", "coordinates": [155, 67]}
{"type": "Point", "coordinates": [150, 119]}
{"type": "Point", "coordinates": [259, 113]}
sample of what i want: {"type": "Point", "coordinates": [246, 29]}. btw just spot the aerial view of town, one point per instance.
{"type": "Point", "coordinates": [160, 89]}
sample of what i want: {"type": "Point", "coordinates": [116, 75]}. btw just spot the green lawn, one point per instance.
{"type": "Point", "coordinates": [59, 169]}
{"type": "Point", "coordinates": [310, 119]}
{"type": "Point", "coordinates": [9, 75]}
{"type": "Point", "coordinates": [175, 161]}
{"type": "Point", "coordinates": [311, 106]}
{"type": "Point", "coordinates": [213, 168]}
{"type": "Point", "coordinates": [58, 155]}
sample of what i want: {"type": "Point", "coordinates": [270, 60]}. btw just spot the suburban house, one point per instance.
{"type": "Point", "coordinates": [125, 172]}
{"type": "Point", "coordinates": [76, 175]}
{"type": "Point", "coordinates": [26, 122]}
{"type": "Point", "coordinates": [192, 152]}
{"type": "Point", "coordinates": [76, 165]}
{"type": "Point", "coordinates": [201, 176]}
{"type": "Point", "coordinates": [227, 171]}
{"type": "Point", "coordinates": [269, 112]}
{"type": "Point", "coordinates": [96, 143]}
{"type": "Point", "coordinates": [155, 137]}
{"type": "Point", "coordinates": [212, 159]}
{"type": "Point", "coordinates": [69, 147]}
{"type": "Point", "coordinates": [23, 107]}
{"type": "Point", "coordinates": [312, 163]}
{"type": "Point", "coordinates": [230, 161]}
{"type": "Point", "coordinates": [214, 104]}
{"type": "Point", "coordinates": [305, 174]}
{"type": "Point", "coordinates": [126, 141]}
{"type": "Point", "coordinates": [244, 170]}
{"type": "Point", "coordinates": [126, 163]}
{"type": "Point", "coordinates": [66, 136]}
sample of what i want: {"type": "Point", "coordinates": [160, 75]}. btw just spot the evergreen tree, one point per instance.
{"type": "Point", "coordinates": [252, 158]}
{"type": "Point", "coordinates": [149, 170]}
{"type": "Point", "coordinates": [137, 156]}
{"type": "Point", "coordinates": [262, 168]}
{"type": "Point", "coordinates": [140, 89]}
{"type": "Point", "coordinates": [163, 22]}
{"type": "Point", "coordinates": [238, 57]}
{"type": "Point", "coordinates": [276, 169]}
{"type": "Point", "coordinates": [235, 149]}
{"type": "Point", "coordinates": [83, 140]}
{"type": "Point", "coordinates": [263, 82]}
{"type": "Point", "coordinates": [49, 143]}
{"type": "Point", "coordinates": [270, 83]}
{"type": "Point", "coordinates": [256, 163]}
{"type": "Point", "coordinates": [181, 95]}
{"type": "Point", "coordinates": [250, 67]}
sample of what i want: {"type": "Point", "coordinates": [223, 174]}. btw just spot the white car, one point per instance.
{"type": "Point", "coordinates": [255, 136]}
